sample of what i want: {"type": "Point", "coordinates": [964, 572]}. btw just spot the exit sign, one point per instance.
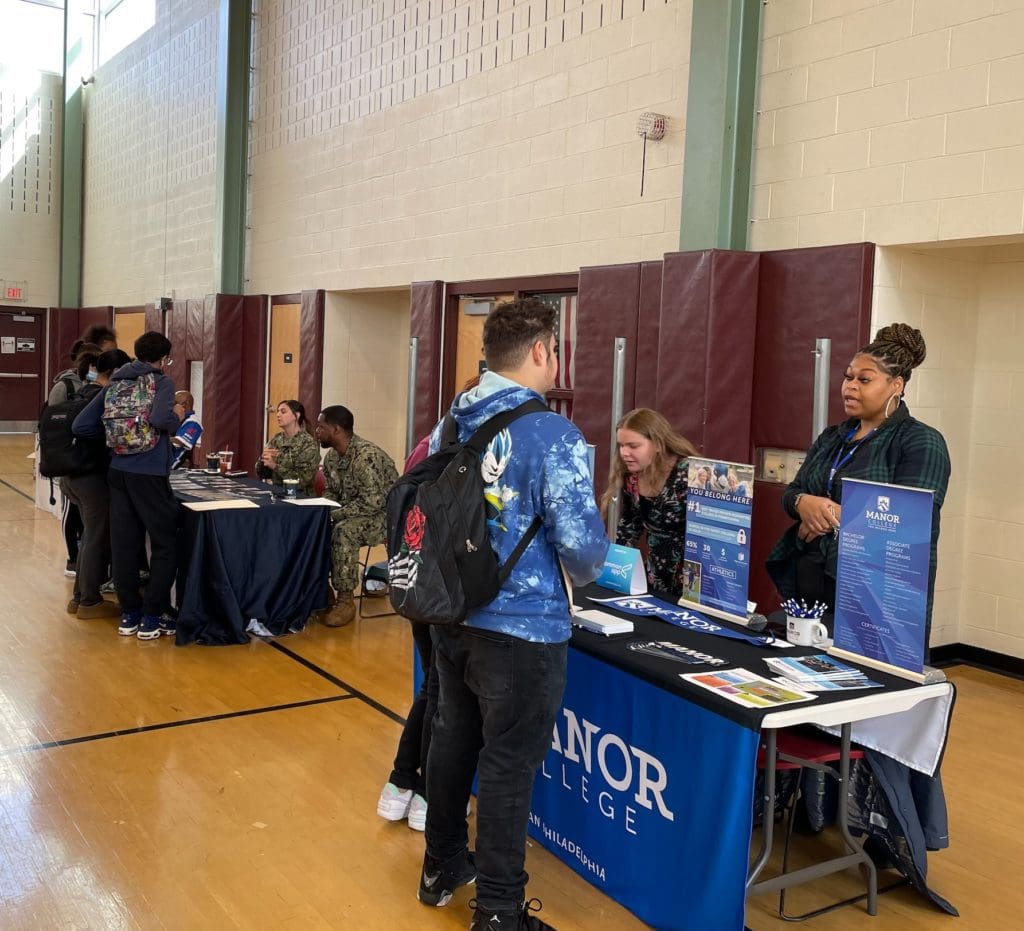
{"type": "Point", "coordinates": [14, 291]}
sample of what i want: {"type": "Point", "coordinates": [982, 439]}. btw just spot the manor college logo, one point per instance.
{"type": "Point", "coordinates": [883, 503]}
{"type": "Point", "coordinates": [611, 769]}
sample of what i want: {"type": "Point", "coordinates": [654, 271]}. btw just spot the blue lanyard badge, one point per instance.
{"type": "Point", "coordinates": [841, 459]}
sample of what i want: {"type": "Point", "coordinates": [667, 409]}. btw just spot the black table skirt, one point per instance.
{"type": "Point", "coordinates": [270, 563]}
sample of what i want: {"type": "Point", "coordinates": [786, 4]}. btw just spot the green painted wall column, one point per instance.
{"type": "Point", "coordinates": [72, 164]}
{"type": "Point", "coordinates": [720, 117]}
{"type": "Point", "coordinates": [234, 37]}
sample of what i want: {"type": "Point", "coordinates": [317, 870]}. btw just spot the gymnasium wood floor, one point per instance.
{"type": "Point", "coordinates": [145, 786]}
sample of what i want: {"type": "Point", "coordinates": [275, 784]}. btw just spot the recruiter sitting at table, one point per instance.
{"type": "Point", "coordinates": [649, 476]}
{"type": "Point", "coordinates": [879, 442]}
{"type": "Point", "coordinates": [358, 476]}
{"type": "Point", "coordinates": [292, 453]}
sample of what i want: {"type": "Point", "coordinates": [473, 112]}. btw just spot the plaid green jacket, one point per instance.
{"type": "Point", "coordinates": [904, 451]}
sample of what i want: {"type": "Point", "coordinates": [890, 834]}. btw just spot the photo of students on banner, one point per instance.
{"type": "Point", "coordinates": [719, 501]}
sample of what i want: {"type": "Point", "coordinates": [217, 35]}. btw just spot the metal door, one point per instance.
{"type": "Point", "coordinates": [22, 366]}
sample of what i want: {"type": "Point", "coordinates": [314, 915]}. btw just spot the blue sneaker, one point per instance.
{"type": "Point", "coordinates": [168, 625]}
{"type": "Point", "coordinates": [129, 623]}
{"type": "Point", "coordinates": [149, 629]}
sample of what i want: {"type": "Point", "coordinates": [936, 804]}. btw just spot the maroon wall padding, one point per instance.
{"type": "Point", "coordinates": [224, 321]}
{"type": "Point", "coordinates": [804, 294]}
{"type": "Point", "coordinates": [608, 307]}
{"type": "Point", "coordinates": [311, 352]}
{"type": "Point", "coordinates": [90, 316]}
{"type": "Point", "coordinates": [66, 324]}
{"type": "Point", "coordinates": [177, 328]}
{"type": "Point", "coordinates": [426, 300]}
{"type": "Point", "coordinates": [63, 332]}
{"type": "Point", "coordinates": [647, 335]}
{"type": "Point", "coordinates": [252, 383]}
{"type": "Point", "coordinates": [195, 313]}
{"type": "Point", "coordinates": [706, 348]}
{"type": "Point", "coordinates": [154, 319]}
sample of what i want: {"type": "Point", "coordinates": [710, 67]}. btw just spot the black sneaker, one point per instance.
{"type": "Point", "coordinates": [518, 919]}
{"type": "Point", "coordinates": [438, 881]}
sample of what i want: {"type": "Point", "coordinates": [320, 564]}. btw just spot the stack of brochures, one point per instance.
{"type": "Point", "coordinates": [601, 623]}
{"type": "Point", "coordinates": [820, 673]}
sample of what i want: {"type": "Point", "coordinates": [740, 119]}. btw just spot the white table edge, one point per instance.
{"type": "Point", "coordinates": [875, 705]}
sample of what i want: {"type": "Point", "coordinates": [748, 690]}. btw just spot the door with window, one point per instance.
{"type": "Point", "coordinates": [22, 367]}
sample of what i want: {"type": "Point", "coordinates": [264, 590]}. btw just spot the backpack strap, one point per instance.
{"type": "Point", "coordinates": [478, 443]}
{"type": "Point", "coordinates": [69, 388]}
{"type": "Point", "coordinates": [449, 432]}
{"type": "Point", "coordinates": [491, 428]}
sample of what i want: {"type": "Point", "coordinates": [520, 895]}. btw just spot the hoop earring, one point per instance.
{"type": "Point", "coordinates": [896, 408]}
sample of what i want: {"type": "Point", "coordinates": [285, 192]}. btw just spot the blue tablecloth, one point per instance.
{"type": "Point", "coordinates": [270, 563]}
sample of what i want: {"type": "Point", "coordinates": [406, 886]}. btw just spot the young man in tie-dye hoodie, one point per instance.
{"type": "Point", "coordinates": [502, 673]}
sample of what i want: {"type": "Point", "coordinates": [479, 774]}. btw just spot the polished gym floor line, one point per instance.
{"type": "Point", "coordinates": [265, 816]}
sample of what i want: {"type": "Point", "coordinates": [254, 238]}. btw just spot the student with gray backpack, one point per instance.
{"type": "Point", "coordinates": [137, 415]}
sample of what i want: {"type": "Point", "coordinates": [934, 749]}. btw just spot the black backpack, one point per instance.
{"type": "Point", "coordinates": [60, 451]}
{"type": "Point", "coordinates": [440, 560]}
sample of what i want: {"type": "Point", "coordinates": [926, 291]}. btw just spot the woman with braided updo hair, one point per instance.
{"type": "Point", "coordinates": [879, 442]}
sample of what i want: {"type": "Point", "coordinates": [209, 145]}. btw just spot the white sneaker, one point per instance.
{"type": "Point", "coordinates": [418, 813]}
{"type": "Point", "coordinates": [393, 804]}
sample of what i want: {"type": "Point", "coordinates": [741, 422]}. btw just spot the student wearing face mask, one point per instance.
{"type": "Point", "coordinates": [648, 476]}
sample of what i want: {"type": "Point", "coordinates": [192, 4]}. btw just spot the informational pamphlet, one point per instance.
{"type": "Point", "coordinates": [882, 575]}
{"type": "Point", "coordinates": [820, 673]}
{"type": "Point", "coordinates": [743, 687]}
{"type": "Point", "coordinates": [716, 570]}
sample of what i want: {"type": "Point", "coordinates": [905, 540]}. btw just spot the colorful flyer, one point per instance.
{"type": "Point", "coordinates": [624, 571]}
{"type": "Point", "coordinates": [719, 501]}
{"type": "Point", "coordinates": [882, 576]}
{"type": "Point", "coordinates": [745, 688]}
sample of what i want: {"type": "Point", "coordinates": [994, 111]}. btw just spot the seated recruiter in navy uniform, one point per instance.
{"type": "Point", "coordinates": [292, 453]}
{"type": "Point", "coordinates": [358, 475]}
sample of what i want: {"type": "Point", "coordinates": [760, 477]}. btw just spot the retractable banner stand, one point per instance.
{"type": "Point", "coordinates": [635, 783]}
{"type": "Point", "coordinates": [882, 576]}
{"type": "Point", "coordinates": [716, 571]}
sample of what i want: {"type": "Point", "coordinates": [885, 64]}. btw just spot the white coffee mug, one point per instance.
{"type": "Point", "coordinates": [805, 631]}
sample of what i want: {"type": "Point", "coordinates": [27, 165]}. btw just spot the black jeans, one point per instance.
{"type": "Point", "coordinates": [141, 504]}
{"type": "Point", "coordinates": [70, 524]}
{"type": "Point", "coordinates": [410, 770]}
{"type": "Point", "coordinates": [499, 697]}
{"type": "Point", "coordinates": [91, 495]}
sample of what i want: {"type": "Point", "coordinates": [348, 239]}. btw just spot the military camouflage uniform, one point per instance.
{"type": "Point", "coordinates": [359, 481]}
{"type": "Point", "coordinates": [297, 457]}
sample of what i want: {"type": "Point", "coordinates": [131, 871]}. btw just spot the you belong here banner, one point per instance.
{"type": "Point", "coordinates": [719, 501]}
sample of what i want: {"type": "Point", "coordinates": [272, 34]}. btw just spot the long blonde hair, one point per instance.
{"type": "Point", "coordinates": [667, 445]}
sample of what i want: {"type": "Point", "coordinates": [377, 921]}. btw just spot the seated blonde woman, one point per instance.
{"type": "Point", "coordinates": [648, 476]}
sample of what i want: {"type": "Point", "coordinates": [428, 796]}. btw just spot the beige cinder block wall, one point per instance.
{"type": "Point", "coordinates": [366, 362]}
{"type": "Point", "coordinates": [992, 611]}
{"type": "Point", "coordinates": [32, 107]}
{"type": "Point", "coordinates": [150, 142]}
{"type": "Point", "coordinates": [937, 292]}
{"type": "Point", "coordinates": [894, 122]}
{"type": "Point", "coordinates": [393, 145]}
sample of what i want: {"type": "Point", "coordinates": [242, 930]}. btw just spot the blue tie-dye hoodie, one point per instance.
{"type": "Point", "coordinates": [537, 466]}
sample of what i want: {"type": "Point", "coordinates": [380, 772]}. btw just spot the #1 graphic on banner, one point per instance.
{"type": "Point", "coordinates": [882, 574]}
{"type": "Point", "coordinates": [719, 499]}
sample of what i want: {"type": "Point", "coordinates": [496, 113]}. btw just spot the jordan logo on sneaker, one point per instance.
{"type": "Point", "coordinates": [429, 880]}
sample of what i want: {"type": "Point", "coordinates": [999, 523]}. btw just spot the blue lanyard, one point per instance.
{"type": "Point", "coordinates": [841, 460]}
